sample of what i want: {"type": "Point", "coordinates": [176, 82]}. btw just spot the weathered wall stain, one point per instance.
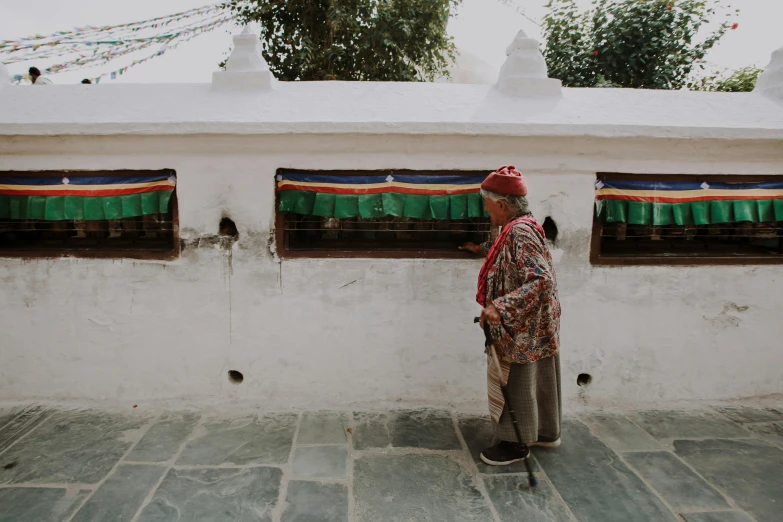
{"type": "Point", "coordinates": [729, 317]}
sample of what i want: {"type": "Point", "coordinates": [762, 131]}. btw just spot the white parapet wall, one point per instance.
{"type": "Point", "coordinates": [364, 333]}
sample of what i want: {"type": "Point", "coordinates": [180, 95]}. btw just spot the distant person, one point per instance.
{"type": "Point", "coordinates": [86, 82]}
{"type": "Point", "coordinates": [35, 76]}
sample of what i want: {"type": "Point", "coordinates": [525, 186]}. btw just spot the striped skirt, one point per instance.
{"type": "Point", "coordinates": [534, 390]}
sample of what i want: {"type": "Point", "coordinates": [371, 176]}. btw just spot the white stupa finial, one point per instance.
{"type": "Point", "coordinates": [246, 67]}
{"type": "Point", "coordinates": [770, 82]}
{"type": "Point", "coordinates": [524, 73]}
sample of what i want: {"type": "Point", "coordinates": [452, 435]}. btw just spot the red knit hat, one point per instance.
{"type": "Point", "coordinates": [506, 181]}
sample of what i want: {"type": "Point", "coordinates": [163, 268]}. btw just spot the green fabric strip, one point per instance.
{"type": "Point", "coordinates": [417, 207]}
{"type": "Point", "coordinates": [18, 205]}
{"type": "Point", "coordinates": [459, 206]}
{"type": "Point", "coordinates": [84, 208]}
{"type": "Point", "coordinates": [54, 208]}
{"type": "Point", "coordinates": [287, 200]}
{"type": "Point", "coordinates": [344, 206]}
{"type": "Point", "coordinates": [393, 204]}
{"type": "Point", "coordinates": [73, 208]}
{"type": "Point", "coordinates": [475, 206]}
{"type": "Point", "coordinates": [371, 206]}
{"type": "Point", "coordinates": [150, 203]}
{"type": "Point", "coordinates": [778, 205]}
{"type": "Point", "coordinates": [36, 207]}
{"type": "Point", "coordinates": [368, 206]}
{"type": "Point", "coordinates": [164, 198]}
{"type": "Point", "coordinates": [439, 206]}
{"type": "Point", "coordinates": [323, 205]}
{"type": "Point", "coordinates": [694, 213]}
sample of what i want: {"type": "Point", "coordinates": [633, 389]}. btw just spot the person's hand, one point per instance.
{"type": "Point", "coordinates": [470, 247]}
{"type": "Point", "coordinates": [489, 315]}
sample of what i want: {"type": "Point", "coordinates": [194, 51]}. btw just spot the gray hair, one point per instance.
{"type": "Point", "coordinates": [517, 203]}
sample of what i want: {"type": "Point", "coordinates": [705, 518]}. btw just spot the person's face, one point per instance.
{"type": "Point", "coordinates": [34, 77]}
{"type": "Point", "coordinates": [499, 212]}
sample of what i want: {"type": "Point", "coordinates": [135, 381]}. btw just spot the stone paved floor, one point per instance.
{"type": "Point", "coordinates": [711, 464]}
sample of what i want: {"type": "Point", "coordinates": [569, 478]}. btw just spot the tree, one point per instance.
{"type": "Point", "coordinates": [741, 80]}
{"type": "Point", "coordinates": [382, 40]}
{"type": "Point", "coordinates": [648, 44]}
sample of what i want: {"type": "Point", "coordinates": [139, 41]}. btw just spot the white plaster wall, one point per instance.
{"type": "Point", "coordinates": [372, 332]}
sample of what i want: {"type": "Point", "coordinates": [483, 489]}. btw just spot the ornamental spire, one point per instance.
{"type": "Point", "coordinates": [524, 72]}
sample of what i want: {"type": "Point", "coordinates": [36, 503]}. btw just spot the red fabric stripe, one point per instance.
{"type": "Point", "coordinates": [647, 199]}
{"type": "Point", "coordinates": [77, 192]}
{"type": "Point", "coordinates": [377, 190]}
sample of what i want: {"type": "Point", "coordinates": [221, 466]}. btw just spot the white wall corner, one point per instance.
{"type": "Point", "coordinates": [246, 67]}
{"type": "Point", "coordinates": [770, 82]}
{"type": "Point", "coordinates": [524, 73]}
{"type": "Point", "coordinates": [5, 76]}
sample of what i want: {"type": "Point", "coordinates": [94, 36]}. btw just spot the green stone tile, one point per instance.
{"type": "Point", "coordinates": [206, 495]}
{"type": "Point", "coordinates": [7, 415]}
{"type": "Point", "coordinates": [746, 414]}
{"type": "Point", "coordinates": [431, 429]}
{"type": "Point", "coordinates": [595, 484]}
{"type": "Point", "coordinates": [370, 430]}
{"type": "Point", "coordinates": [121, 496]}
{"type": "Point", "coordinates": [71, 447]}
{"type": "Point", "coordinates": [717, 516]}
{"type": "Point", "coordinates": [164, 438]}
{"type": "Point", "coordinates": [17, 422]}
{"type": "Point", "coordinates": [687, 424]}
{"type": "Point", "coordinates": [247, 440]}
{"type": "Point", "coordinates": [750, 472]}
{"type": "Point", "coordinates": [512, 499]}
{"type": "Point", "coordinates": [620, 434]}
{"type": "Point", "coordinates": [405, 488]}
{"type": "Point", "coordinates": [323, 428]}
{"type": "Point", "coordinates": [773, 432]}
{"type": "Point", "coordinates": [38, 504]}
{"type": "Point", "coordinates": [675, 482]}
{"type": "Point", "coordinates": [314, 502]}
{"type": "Point", "coordinates": [479, 435]}
{"type": "Point", "coordinates": [321, 462]}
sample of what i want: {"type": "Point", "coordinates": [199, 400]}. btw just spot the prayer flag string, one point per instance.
{"type": "Point", "coordinates": [94, 46]}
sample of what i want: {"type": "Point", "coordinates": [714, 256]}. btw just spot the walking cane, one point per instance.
{"type": "Point", "coordinates": [489, 343]}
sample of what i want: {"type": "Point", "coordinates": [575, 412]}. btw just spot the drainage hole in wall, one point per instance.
{"type": "Point", "coordinates": [235, 377]}
{"type": "Point", "coordinates": [227, 228]}
{"type": "Point", "coordinates": [583, 379]}
{"type": "Point", "coordinates": [550, 229]}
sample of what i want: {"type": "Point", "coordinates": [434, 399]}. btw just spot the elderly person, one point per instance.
{"type": "Point", "coordinates": [518, 293]}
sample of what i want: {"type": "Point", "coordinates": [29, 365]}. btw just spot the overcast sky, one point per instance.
{"type": "Point", "coordinates": [481, 27]}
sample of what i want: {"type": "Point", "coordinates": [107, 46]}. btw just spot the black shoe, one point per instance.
{"type": "Point", "coordinates": [505, 453]}
{"type": "Point", "coordinates": [546, 442]}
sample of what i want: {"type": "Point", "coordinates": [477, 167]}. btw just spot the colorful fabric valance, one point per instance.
{"type": "Point", "coordinates": [85, 198]}
{"type": "Point", "coordinates": [688, 203]}
{"type": "Point", "coordinates": [417, 196]}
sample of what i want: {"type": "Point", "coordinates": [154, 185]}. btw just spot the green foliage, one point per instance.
{"type": "Point", "coordinates": [649, 44]}
{"type": "Point", "coordinates": [741, 80]}
{"type": "Point", "coordinates": [382, 40]}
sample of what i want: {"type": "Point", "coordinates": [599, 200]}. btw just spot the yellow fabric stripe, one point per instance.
{"type": "Point", "coordinates": [86, 188]}
{"type": "Point", "coordinates": [379, 185]}
{"type": "Point", "coordinates": [685, 194]}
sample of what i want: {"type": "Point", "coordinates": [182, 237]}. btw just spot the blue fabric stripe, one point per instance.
{"type": "Point", "coordinates": [689, 185]}
{"type": "Point", "coordinates": [83, 180]}
{"type": "Point", "coordinates": [414, 179]}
